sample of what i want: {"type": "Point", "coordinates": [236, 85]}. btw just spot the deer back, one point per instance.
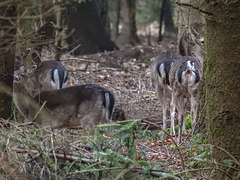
{"type": "Point", "coordinates": [51, 75]}
{"type": "Point", "coordinates": [160, 70]}
{"type": "Point", "coordinates": [85, 105]}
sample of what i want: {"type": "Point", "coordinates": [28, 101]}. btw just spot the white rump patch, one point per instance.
{"type": "Point", "coordinates": [191, 65]}
{"type": "Point", "coordinates": [56, 78]}
{"type": "Point", "coordinates": [162, 71]}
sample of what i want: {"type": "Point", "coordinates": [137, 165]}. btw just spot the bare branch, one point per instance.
{"type": "Point", "coordinates": [194, 7]}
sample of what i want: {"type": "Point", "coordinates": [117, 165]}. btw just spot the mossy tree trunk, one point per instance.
{"type": "Point", "coordinates": [7, 55]}
{"type": "Point", "coordinates": [222, 79]}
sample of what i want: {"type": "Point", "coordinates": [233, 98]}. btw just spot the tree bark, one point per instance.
{"type": "Point", "coordinates": [168, 19]}
{"type": "Point", "coordinates": [222, 80]}
{"type": "Point", "coordinates": [160, 37]}
{"type": "Point", "coordinates": [114, 15]}
{"type": "Point", "coordinates": [88, 37]}
{"type": "Point", "coordinates": [131, 6]}
{"type": "Point", "coordinates": [7, 57]}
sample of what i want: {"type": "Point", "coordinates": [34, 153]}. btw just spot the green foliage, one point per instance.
{"type": "Point", "coordinates": [112, 153]}
{"type": "Point", "coordinates": [188, 123]}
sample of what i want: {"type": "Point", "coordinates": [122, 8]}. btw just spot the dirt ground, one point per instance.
{"type": "Point", "coordinates": [126, 73]}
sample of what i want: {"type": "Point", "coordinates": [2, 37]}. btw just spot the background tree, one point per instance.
{"type": "Point", "coordinates": [87, 27]}
{"type": "Point", "coordinates": [222, 44]}
{"type": "Point", "coordinates": [114, 16]}
{"type": "Point", "coordinates": [166, 16]}
{"type": "Point", "coordinates": [7, 57]}
{"type": "Point", "coordinates": [131, 8]}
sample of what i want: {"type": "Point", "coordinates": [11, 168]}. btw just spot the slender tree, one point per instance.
{"type": "Point", "coordinates": [222, 81]}
{"type": "Point", "coordinates": [161, 20]}
{"type": "Point", "coordinates": [114, 15]}
{"type": "Point", "coordinates": [131, 6]}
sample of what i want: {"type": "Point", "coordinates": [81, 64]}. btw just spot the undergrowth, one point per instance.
{"type": "Point", "coordinates": [109, 151]}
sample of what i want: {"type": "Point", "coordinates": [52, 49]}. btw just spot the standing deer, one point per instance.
{"type": "Point", "coordinates": [160, 69]}
{"type": "Point", "coordinates": [85, 105]}
{"type": "Point", "coordinates": [185, 75]}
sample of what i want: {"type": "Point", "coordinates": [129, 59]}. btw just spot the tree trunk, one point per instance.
{"type": "Point", "coordinates": [170, 29]}
{"type": "Point", "coordinates": [222, 80]}
{"type": "Point", "coordinates": [7, 51]}
{"type": "Point", "coordinates": [85, 37]}
{"type": "Point", "coordinates": [114, 15]}
{"type": "Point", "coordinates": [59, 34]}
{"type": "Point", "coordinates": [131, 6]}
{"type": "Point", "coordinates": [161, 21]}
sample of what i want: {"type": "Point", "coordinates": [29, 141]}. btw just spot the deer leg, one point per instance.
{"type": "Point", "coordinates": [180, 123]}
{"type": "Point", "coordinates": [173, 112]}
{"type": "Point", "coordinates": [164, 107]}
{"type": "Point", "coordinates": [193, 113]}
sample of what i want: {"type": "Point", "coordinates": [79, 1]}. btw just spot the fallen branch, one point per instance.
{"type": "Point", "coordinates": [58, 155]}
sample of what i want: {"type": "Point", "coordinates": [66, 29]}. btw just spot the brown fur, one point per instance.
{"type": "Point", "coordinates": [85, 105]}
{"type": "Point", "coordinates": [184, 93]}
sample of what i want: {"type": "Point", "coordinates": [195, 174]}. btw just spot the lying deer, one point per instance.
{"type": "Point", "coordinates": [50, 74]}
{"type": "Point", "coordinates": [185, 75]}
{"type": "Point", "coordinates": [85, 105]}
{"type": "Point", "coordinates": [160, 69]}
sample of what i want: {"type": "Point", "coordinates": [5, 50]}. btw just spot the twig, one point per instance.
{"type": "Point", "coordinates": [74, 49]}
{"type": "Point", "coordinates": [11, 124]}
{"type": "Point", "coordinates": [124, 172]}
{"type": "Point", "coordinates": [194, 7]}
{"type": "Point", "coordinates": [44, 103]}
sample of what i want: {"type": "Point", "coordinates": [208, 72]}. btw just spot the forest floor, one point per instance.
{"type": "Point", "coordinates": [127, 74]}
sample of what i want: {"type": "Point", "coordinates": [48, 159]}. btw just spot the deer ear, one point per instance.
{"type": "Point", "coordinates": [21, 68]}
{"type": "Point", "coordinates": [32, 69]}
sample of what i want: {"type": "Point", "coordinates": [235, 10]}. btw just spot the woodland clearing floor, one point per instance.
{"type": "Point", "coordinates": [127, 74]}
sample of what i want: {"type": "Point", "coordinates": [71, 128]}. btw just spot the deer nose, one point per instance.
{"type": "Point", "coordinates": [16, 78]}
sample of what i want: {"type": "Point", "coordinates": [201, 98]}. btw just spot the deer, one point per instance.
{"type": "Point", "coordinates": [184, 76]}
{"type": "Point", "coordinates": [83, 105]}
{"type": "Point", "coordinates": [160, 69]}
{"type": "Point", "coordinates": [191, 44]}
{"type": "Point", "coordinates": [49, 75]}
